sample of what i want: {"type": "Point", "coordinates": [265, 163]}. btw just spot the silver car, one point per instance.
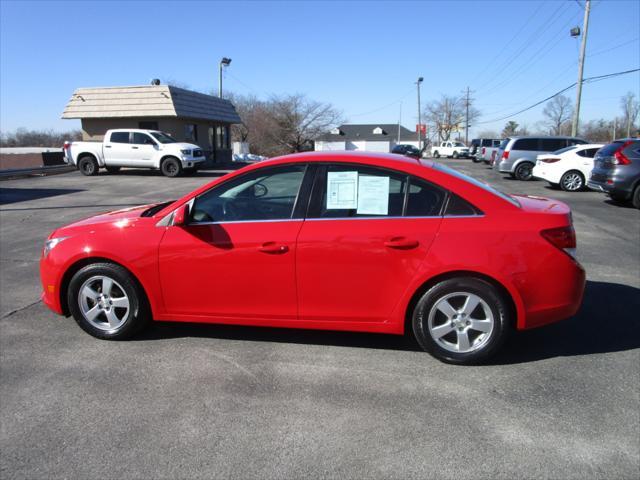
{"type": "Point", "coordinates": [517, 155]}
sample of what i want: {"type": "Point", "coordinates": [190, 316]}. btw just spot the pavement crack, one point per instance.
{"type": "Point", "coordinates": [8, 314]}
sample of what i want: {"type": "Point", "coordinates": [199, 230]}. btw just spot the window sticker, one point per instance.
{"type": "Point", "coordinates": [373, 195]}
{"type": "Point", "coordinates": [342, 190]}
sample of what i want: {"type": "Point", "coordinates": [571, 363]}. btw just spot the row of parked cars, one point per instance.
{"type": "Point", "coordinates": [569, 163]}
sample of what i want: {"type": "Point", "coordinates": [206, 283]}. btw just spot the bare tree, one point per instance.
{"type": "Point", "coordinates": [630, 110]}
{"type": "Point", "coordinates": [598, 130]}
{"type": "Point", "coordinates": [558, 112]}
{"type": "Point", "coordinates": [297, 121]}
{"type": "Point", "coordinates": [23, 137]}
{"type": "Point", "coordinates": [487, 134]}
{"type": "Point", "coordinates": [447, 115]}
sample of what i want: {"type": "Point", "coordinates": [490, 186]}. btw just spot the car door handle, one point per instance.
{"type": "Point", "coordinates": [401, 243]}
{"type": "Point", "coordinates": [134, 148]}
{"type": "Point", "coordinates": [273, 247]}
{"type": "Point", "coordinates": [107, 146]}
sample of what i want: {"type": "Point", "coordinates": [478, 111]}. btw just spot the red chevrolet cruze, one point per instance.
{"type": "Point", "coordinates": [336, 241]}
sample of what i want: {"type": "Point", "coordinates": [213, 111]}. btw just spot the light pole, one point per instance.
{"type": "Point", "coordinates": [223, 63]}
{"type": "Point", "coordinates": [420, 79]}
{"type": "Point", "coordinates": [583, 46]}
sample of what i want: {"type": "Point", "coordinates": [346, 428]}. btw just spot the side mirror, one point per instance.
{"type": "Point", "coordinates": [180, 216]}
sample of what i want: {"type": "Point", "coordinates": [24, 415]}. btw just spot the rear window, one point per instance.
{"type": "Point", "coordinates": [119, 137]}
{"type": "Point", "coordinates": [609, 150]}
{"type": "Point", "coordinates": [477, 183]}
{"type": "Point", "coordinates": [526, 144]}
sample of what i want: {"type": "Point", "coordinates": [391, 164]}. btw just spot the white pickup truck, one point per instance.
{"type": "Point", "coordinates": [134, 148]}
{"type": "Point", "coordinates": [450, 148]}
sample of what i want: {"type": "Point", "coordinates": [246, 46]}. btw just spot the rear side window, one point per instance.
{"type": "Point", "coordinates": [588, 152]}
{"type": "Point", "coordinates": [576, 141]}
{"type": "Point", "coordinates": [496, 143]}
{"type": "Point", "coordinates": [526, 144]}
{"type": "Point", "coordinates": [425, 200]}
{"type": "Point", "coordinates": [552, 144]}
{"type": "Point", "coordinates": [119, 137]}
{"type": "Point", "coordinates": [458, 207]}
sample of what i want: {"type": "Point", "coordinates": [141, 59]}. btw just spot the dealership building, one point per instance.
{"type": "Point", "coordinates": [187, 116]}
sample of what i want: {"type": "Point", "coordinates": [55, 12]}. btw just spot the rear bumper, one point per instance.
{"type": "Point", "coordinates": [608, 181]}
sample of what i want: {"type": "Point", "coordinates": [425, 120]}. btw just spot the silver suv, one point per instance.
{"type": "Point", "coordinates": [517, 155]}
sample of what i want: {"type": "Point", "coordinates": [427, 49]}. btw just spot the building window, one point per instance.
{"type": "Point", "coordinates": [191, 132]}
{"type": "Point", "coordinates": [222, 137]}
{"type": "Point", "coordinates": [148, 125]}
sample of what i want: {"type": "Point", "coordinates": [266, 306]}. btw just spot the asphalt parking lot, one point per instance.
{"type": "Point", "coordinates": [186, 401]}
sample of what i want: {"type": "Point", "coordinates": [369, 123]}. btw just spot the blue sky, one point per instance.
{"type": "Point", "coordinates": [363, 57]}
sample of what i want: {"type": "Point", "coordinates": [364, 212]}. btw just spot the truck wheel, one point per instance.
{"type": "Point", "coordinates": [171, 167]}
{"type": "Point", "coordinates": [436, 154]}
{"type": "Point", "coordinates": [524, 171]}
{"type": "Point", "coordinates": [455, 155]}
{"type": "Point", "coordinates": [113, 169]}
{"type": "Point", "coordinates": [88, 165]}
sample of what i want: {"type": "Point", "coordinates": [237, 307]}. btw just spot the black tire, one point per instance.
{"type": "Point", "coordinates": [524, 171]}
{"type": "Point", "coordinates": [455, 155]}
{"type": "Point", "coordinates": [112, 169]}
{"type": "Point", "coordinates": [635, 199]}
{"type": "Point", "coordinates": [133, 320]}
{"type": "Point", "coordinates": [88, 165]}
{"type": "Point", "coordinates": [171, 167]}
{"type": "Point", "coordinates": [572, 181]}
{"type": "Point", "coordinates": [436, 154]}
{"type": "Point", "coordinates": [485, 346]}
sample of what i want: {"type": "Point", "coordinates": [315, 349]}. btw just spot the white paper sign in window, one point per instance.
{"type": "Point", "coordinates": [342, 190]}
{"type": "Point", "coordinates": [373, 195]}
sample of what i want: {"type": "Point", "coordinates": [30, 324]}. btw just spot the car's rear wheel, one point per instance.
{"type": "Point", "coordinates": [636, 197]}
{"type": "Point", "coordinates": [88, 165]}
{"type": "Point", "coordinates": [524, 171]}
{"type": "Point", "coordinates": [572, 181]}
{"type": "Point", "coordinates": [113, 169]}
{"type": "Point", "coordinates": [171, 167]}
{"type": "Point", "coordinates": [106, 301]}
{"type": "Point", "coordinates": [462, 320]}
{"type": "Point", "coordinates": [436, 154]}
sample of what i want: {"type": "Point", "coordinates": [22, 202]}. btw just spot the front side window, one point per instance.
{"type": "Point", "coordinates": [163, 137]}
{"type": "Point", "coordinates": [142, 139]}
{"type": "Point", "coordinates": [119, 137]}
{"type": "Point", "coordinates": [265, 194]}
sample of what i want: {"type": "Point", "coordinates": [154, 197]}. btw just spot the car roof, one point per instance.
{"type": "Point", "coordinates": [517, 137]}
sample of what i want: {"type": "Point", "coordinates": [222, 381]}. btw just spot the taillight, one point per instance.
{"type": "Point", "coordinates": [563, 238]}
{"type": "Point", "coordinates": [505, 155]}
{"type": "Point", "coordinates": [550, 160]}
{"type": "Point", "coordinates": [67, 145]}
{"type": "Point", "coordinates": [620, 158]}
{"type": "Point", "coordinates": [483, 150]}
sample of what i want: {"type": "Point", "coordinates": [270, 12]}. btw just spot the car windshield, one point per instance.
{"type": "Point", "coordinates": [163, 137]}
{"type": "Point", "coordinates": [477, 183]}
{"type": "Point", "coordinates": [565, 149]}
{"type": "Point", "coordinates": [459, 144]}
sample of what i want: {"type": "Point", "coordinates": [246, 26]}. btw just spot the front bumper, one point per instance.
{"type": "Point", "coordinates": [189, 162]}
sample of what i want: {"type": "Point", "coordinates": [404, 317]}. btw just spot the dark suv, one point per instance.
{"type": "Point", "coordinates": [408, 150]}
{"type": "Point", "coordinates": [616, 170]}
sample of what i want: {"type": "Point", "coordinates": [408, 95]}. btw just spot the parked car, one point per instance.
{"type": "Point", "coordinates": [134, 148]}
{"type": "Point", "coordinates": [335, 241]}
{"type": "Point", "coordinates": [474, 148]}
{"type": "Point", "coordinates": [453, 149]}
{"type": "Point", "coordinates": [407, 150]}
{"type": "Point", "coordinates": [616, 171]}
{"type": "Point", "coordinates": [568, 167]}
{"type": "Point", "coordinates": [487, 149]}
{"type": "Point", "coordinates": [517, 155]}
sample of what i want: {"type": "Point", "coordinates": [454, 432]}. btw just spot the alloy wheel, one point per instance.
{"type": "Point", "coordinates": [461, 322]}
{"type": "Point", "coordinates": [103, 303]}
{"type": "Point", "coordinates": [572, 182]}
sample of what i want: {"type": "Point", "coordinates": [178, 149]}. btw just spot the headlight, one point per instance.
{"type": "Point", "coordinates": [185, 152]}
{"type": "Point", "coordinates": [51, 244]}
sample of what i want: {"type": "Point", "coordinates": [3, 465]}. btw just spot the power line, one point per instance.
{"type": "Point", "coordinates": [586, 80]}
{"type": "Point", "coordinates": [600, 52]}
{"type": "Point", "coordinates": [385, 106]}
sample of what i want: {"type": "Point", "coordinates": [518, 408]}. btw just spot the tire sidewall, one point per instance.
{"type": "Point", "coordinates": [137, 306]}
{"type": "Point", "coordinates": [495, 301]}
{"type": "Point", "coordinates": [88, 161]}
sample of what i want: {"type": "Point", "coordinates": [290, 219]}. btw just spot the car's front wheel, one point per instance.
{"type": "Point", "coordinates": [171, 167]}
{"type": "Point", "coordinates": [572, 181]}
{"type": "Point", "coordinates": [436, 154]}
{"type": "Point", "coordinates": [462, 320]}
{"type": "Point", "coordinates": [106, 301]}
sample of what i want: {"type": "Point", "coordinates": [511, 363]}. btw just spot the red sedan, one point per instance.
{"type": "Point", "coordinates": [335, 241]}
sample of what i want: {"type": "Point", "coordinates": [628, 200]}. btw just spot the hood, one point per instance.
{"type": "Point", "coordinates": [183, 146]}
{"type": "Point", "coordinates": [118, 218]}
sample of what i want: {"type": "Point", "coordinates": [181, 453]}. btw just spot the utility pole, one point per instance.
{"type": "Point", "coordinates": [466, 127]}
{"type": "Point", "coordinates": [629, 106]}
{"type": "Point", "coordinates": [615, 125]}
{"type": "Point", "coordinates": [223, 63]}
{"type": "Point", "coordinates": [583, 47]}
{"type": "Point", "coordinates": [420, 79]}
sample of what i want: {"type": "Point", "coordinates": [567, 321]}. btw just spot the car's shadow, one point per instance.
{"type": "Point", "coordinates": [619, 204]}
{"type": "Point", "coordinates": [16, 195]}
{"type": "Point", "coordinates": [607, 322]}
{"type": "Point", "coordinates": [214, 171]}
